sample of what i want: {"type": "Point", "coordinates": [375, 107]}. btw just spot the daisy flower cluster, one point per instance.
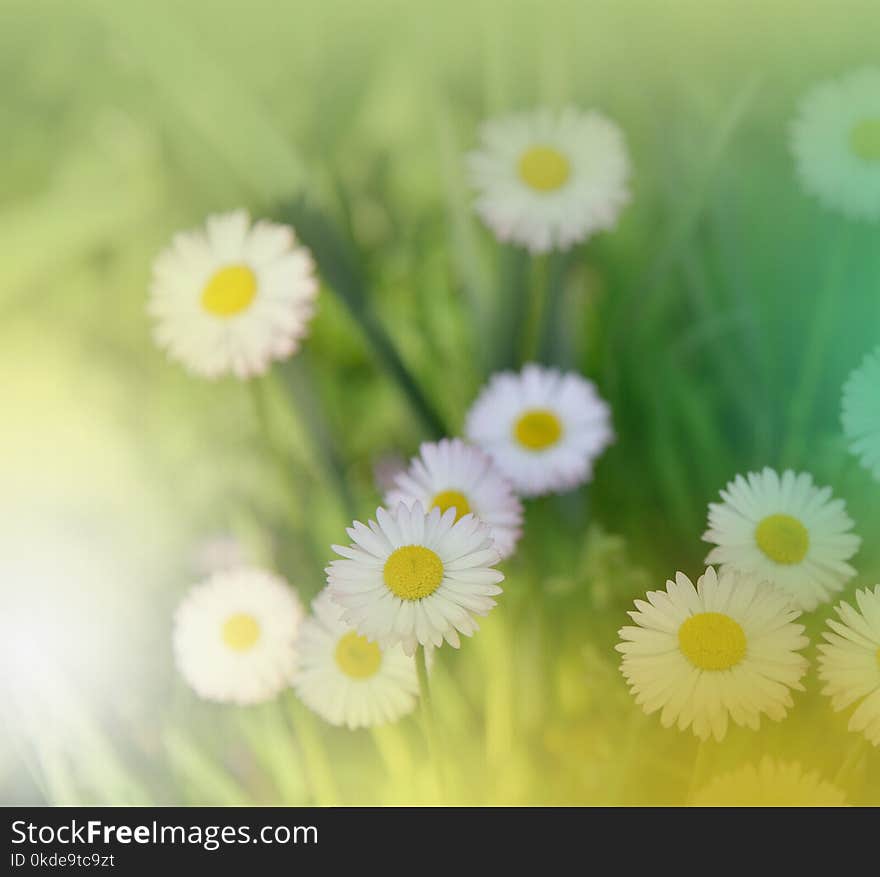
{"type": "Point", "coordinates": [726, 647]}
{"type": "Point", "coordinates": [418, 575]}
{"type": "Point", "coordinates": [729, 649]}
{"type": "Point", "coordinates": [423, 570]}
{"type": "Point", "coordinates": [234, 297]}
{"type": "Point", "coordinates": [836, 143]}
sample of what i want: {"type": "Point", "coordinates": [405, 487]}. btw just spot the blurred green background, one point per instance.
{"type": "Point", "coordinates": [720, 320]}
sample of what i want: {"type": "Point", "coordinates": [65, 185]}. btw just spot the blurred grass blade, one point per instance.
{"type": "Point", "coordinates": [512, 305]}
{"type": "Point", "coordinates": [465, 252]}
{"type": "Point", "coordinates": [77, 757]}
{"type": "Point", "coordinates": [96, 199]}
{"type": "Point", "coordinates": [551, 326]}
{"type": "Point", "coordinates": [212, 101]}
{"type": "Point", "coordinates": [815, 349]}
{"type": "Point", "coordinates": [297, 380]}
{"type": "Point", "coordinates": [275, 748]}
{"type": "Point", "coordinates": [647, 294]}
{"type": "Point", "coordinates": [314, 753]}
{"type": "Point", "coordinates": [394, 749]}
{"type": "Point", "coordinates": [339, 269]}
{"type": "Point", "coordinates": [209, 782]}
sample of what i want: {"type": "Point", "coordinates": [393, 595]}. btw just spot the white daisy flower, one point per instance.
{"type": "Point", "coordinates": [233, 297]}
{"type": "Point", "coordinates": [860, 413]}
{"type": "Point", "coordinates": [785, 530]}
{"type": "Point", "coordinates": [850, 662]}
{"type": "Point", "coordinates": [727, 649]}
{"type": "Point", "coordinates": [542, 427]}
{"type": "Point", "coordinates": [416, 577]}
{"type": "Point", "coordinates": [345, 678]}
{"type": "Point", "coordinates": [548, 180]}
{"type": "Point", "coordinates": [771, 784]}
{"type": "Point", "coordinates": [451, 474]}
{"type": "Point", "coordinates": [234, 636]}
{"type": "Point", "coordinates": [835, 138]}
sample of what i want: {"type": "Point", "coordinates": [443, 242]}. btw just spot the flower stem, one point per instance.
{"type": "Point", "coordinates": [815, 347]}
{"type": "Point", "coordinates": [648, 297]}
{"type": "Point", "coordinates": [302, 398]}
{"type": "Point", "coordinates": [268, 734]}
{"type": "Point", "coordinates": [550, 341]}
{"type": "Point", "coordinates": [397, 369]}
{"type": "Point", "coordinates": [259, 395]}
{"type": "Point", "coordinates": [342, 271]}
{"type": "Point", "coordinates": [394, 751]}
{"type": "Point", "coordinates": [294, 497]}
{"type": "Point", "coordinates": [314, 755]}
{"type": "Point", "coordinates": [428, 722]}
{"type": "Point", "coordinates": [297, 380]}
{"type": "Point", "coordinates": [514, 294]}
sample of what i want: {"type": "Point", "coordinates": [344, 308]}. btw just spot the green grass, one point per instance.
{"type": "Point", "coordinates": [719, 320]}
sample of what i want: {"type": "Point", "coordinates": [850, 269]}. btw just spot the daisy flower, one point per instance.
{"type": "Point", "coordinates": [234, 636]}
{"type": "Point", "coordinates": [727, 649]}
{"type": "Point", "coordinates": [770, 784]}
{"type": "Point", "coordinates": [416, 577]}
{"type": "Point", "coordinates": [231, 298]}
{"type": "Point", "coordinates": [860, 413]}
{"type": "Point", "coordinates": [542, 427]}
{"type": "Point", "coordinates": [785, 530]}
{"type": "Point", "coordinates": [451, 474]}
{"type": "Point", "coordinates": [835, 138]}
{"type": "Point", "coordinates": [345, 678]}
{"type": "Point", "coordinates": [548, 180]}
{"type": "Point", "coordinates": [849, 663]}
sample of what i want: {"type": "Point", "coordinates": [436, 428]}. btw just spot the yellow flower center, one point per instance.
{"type": "Point", "coordinates": [782, 538]}
{"type": "Point", "coordinates": [413, 572]}
{"type": "Point", "coordinates": [864, 139]}
{"type": "Point", "coordinates": [538, 430]}
{"type": "Point", "coordinates": [357, 656]}
{"type": "Point", "coordinates": [241, 631]}
{"type": "Point", "coordinates": [544, 168]}
{"type": "Point", "coordinates": [712, 641]}
{"type": "Point", "coordinates": [229, 291]}
{"type": "Point", "coordinates": [452, 499]}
